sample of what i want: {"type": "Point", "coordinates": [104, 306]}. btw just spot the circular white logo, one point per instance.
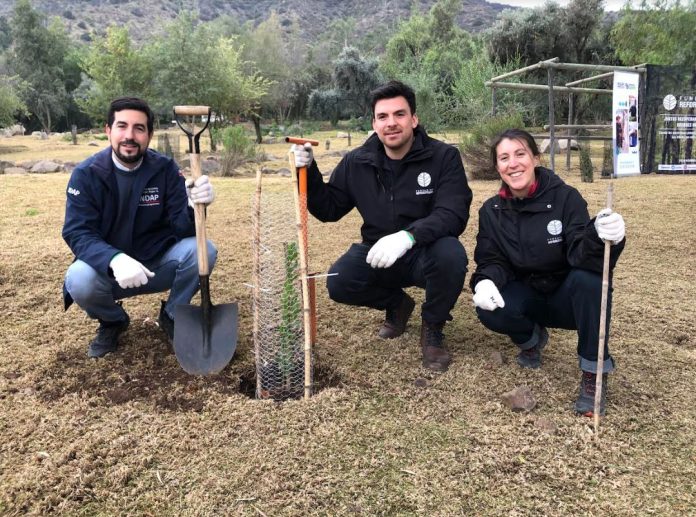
{"type": "Point", "coordinates": [555, 227]}
{"type": "Point", "coordinates": [424, 179]}
{"type": "Point", "coordinates": [669, 102]}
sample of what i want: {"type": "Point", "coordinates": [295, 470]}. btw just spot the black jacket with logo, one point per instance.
{"type": "Point", "coordinates": [429, 196]}
{"type": "Point", "coordinates": [539, 239]}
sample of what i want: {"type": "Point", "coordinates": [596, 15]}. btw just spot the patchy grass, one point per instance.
{"type": "Point", "coordinates": [132, 434]}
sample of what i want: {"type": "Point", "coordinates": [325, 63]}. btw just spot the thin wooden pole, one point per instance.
{"type": "Point", "coordinates": [301, 218]}
{"type": "Point", "coordinates": [544, 87]}
{"type": "Point", "coordinates": [602, 322]}
{"type": "Point", "coordinates": [256, 271]}
{"type": "Point", "coordinates": [552, 120]}
{"type": "Point", "coordinates": [494, 107]}
{"type": "Point", "coordinates": [570, 132]}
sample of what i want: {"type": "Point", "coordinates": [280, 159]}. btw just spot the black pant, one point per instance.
{"type": "Point", "coordinates": [575, 305]}
{"type": "Point", "coordinates": [439, 268]}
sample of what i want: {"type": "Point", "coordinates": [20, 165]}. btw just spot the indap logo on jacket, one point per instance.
{"type": "Point", "coordinates": [150, 197]}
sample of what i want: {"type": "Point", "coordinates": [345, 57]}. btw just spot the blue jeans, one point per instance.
{"type": "Point", "coordinates": [176, 269]}
{"type": "Point", "coordinates": [439, 268]}
{"type": "Point", "coordinates": [575, 305]}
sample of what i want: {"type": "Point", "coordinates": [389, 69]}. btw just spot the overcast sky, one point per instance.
{"type": "Point", "coordinates": [609, 5]}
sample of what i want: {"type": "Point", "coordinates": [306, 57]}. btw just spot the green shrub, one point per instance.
{"type": "Point", "coordinates": [586, 168]}
{"type": "Point", "coordinates": [475, 146]}
{"type": "Point", "coordinates": [238, 148]}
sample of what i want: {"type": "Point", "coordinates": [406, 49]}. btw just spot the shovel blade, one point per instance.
{"type": "Point", "coordinates": [205, 347]}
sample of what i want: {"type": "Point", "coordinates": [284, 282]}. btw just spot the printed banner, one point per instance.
{"type": "Point", "coordinates": [676, 132]}
{"type": "Point", "coordinates": [625, 126]}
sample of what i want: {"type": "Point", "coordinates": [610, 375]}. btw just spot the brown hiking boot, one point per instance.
{"type": "Point", "coordinates": [435, 354]}
{"type": "Point", "coordinates": [395, 323]}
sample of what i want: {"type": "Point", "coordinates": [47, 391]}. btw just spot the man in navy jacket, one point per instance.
{"type": "Point", "coordinates": [413, 196]}
{"type": "Point", "coordinates": [129, 222]}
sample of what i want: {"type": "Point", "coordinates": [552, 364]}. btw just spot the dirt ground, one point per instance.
{"type": "Point", "coordinates": [132, 434]}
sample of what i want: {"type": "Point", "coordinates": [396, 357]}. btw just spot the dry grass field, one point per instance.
{"type": "Point", "coordinates": [132, 434]}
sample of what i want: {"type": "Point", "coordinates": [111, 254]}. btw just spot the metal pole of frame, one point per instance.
{"type": "Point", "coordinates": [552, 122]}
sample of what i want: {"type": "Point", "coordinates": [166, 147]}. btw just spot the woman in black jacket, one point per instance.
{"type": "Point", "coordinates": [539, 261]}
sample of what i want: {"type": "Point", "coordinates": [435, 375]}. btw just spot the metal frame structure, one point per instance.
{"type": "Point", "coordinates": [551, 65]}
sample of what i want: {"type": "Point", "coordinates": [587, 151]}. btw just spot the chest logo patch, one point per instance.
{"type": "Point", "coordinates": [555, 227]}
{"type": "Point", "coordinates": [424, 179]}
{"type": "Point", "coordinates": [150, 197]}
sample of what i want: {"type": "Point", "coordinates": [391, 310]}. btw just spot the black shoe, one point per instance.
{"type": "Point", "coordinates": [106, 340]}
{"type": "Point", "coordinates": [395, 322]}
{"type": "Point", "coordinates": [166, 323]}
{"type": "Point", "coordinates": [531, 358]}
{"type": "Point", "coordinates": [584, 405]}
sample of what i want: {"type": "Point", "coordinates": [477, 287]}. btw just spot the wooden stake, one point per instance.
{"type": "Point", "coordinates": [602, 322]}
{"type": "Point", "coordinates": [256, 271]}
{"type": "Point", "coordinates": [300, 193]}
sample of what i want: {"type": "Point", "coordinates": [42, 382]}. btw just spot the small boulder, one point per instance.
{"type": "Point", "coordinates": [16, 170]}
{"type": "Point", "coordinates": [342, 134]}
{"type": "Point", "coordinates": [519, 399]}
{"type": "Point", "coordinates": [285, 173]}
{"type": "Point", "coordinates": [545, 425]}
{"type": "Point", "coordinates": [46, 166]}
{"type": "Point", "coordinates": [560, 145]}
{"type": "Point", "coordinates": [495, 360]}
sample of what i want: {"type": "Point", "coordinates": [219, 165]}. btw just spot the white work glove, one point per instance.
{"type": "Point", "coordinates": [389, 249]}
{"type": "Point", "coordinates": [610, 226]}
{"type": "Point", "coordinates": [200, 191]}
{"type": "Point", "coordinates": [128, 272]}
{"type": "Point", "coordinates": [304, 156]}
{"type": "Point", "coordinates": [487, 296]}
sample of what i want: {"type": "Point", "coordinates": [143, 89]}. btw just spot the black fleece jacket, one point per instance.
{"type": "Point", "coordinates": [538, 240]}
{"type": "Point", "coordinates": [429, 195]}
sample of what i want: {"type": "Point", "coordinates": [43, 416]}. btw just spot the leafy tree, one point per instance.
{"type": "Point", "coordinates": [533, 35]}
{"type": "Point", "coordinates": [37, 56]}
{"type": "Point", "coordinates": [470, 102]}
{"type": "Point", "coordinates": [10, 103]}
{"type": "Point", "coordinates": [325, 104]}
{"type": "Point", "coordinates": [278, 55]}
{"type": "Point", "coordinates": [114, 68]}
{"type": "Point", "coordinates": [355, 77]}
{"type": "Point", "coordinates": [660, 33]}
{"type": "Point", "coordinates": [427, 52]}
{"type": "Point", "coordinates": [201, 67]}
{"type": "Point", "coordinates": [5, 34]}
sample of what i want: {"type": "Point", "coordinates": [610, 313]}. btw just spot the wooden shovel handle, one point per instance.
{"type": "Point", "coordinates": [301, 141]}
{"type": "Point", "coordinates": [191, 110]}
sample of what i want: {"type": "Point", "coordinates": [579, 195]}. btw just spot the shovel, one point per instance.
{"type": "Point", "coordinates": [205, 337]}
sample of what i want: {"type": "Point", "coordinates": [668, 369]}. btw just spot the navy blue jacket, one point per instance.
{"type": "Point", "coordinates": [538, 240]}
{"type": "Point", "coordinates": [430, 196]}
{"type": "Point", "coordinates": [159, 212]}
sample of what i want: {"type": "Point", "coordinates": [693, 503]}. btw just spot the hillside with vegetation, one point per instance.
{"type": "Point", "coordinates": [86, 19]}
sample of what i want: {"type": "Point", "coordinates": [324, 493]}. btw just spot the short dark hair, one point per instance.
{"type": "Point", "coordinates": [131, 103]}
{"type": "Point", "coordinates": [393, 89]}
{"type": "Point", "coordinates": [512, 134]}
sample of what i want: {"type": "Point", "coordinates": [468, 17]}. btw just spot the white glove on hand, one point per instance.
{"type": "Point", "coordinates": [389, 249]}
{"type": "Point", "coordinates": [304, 156]}
{"type": "Point", "coordinates": [128, 272]}
{"type": "Point", "coordinates": [200, 191]}
{"type": "Point", "coordinates": [610, 226]}
{"type": "Point", "coordinates": [487, 296]}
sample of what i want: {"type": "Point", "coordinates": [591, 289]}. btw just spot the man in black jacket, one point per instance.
{"type": "Point", "coordinates": [412, 194]}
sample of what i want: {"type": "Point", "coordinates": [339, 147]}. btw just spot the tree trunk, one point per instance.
{"type": "Point", "coordinates": [257, 127]}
